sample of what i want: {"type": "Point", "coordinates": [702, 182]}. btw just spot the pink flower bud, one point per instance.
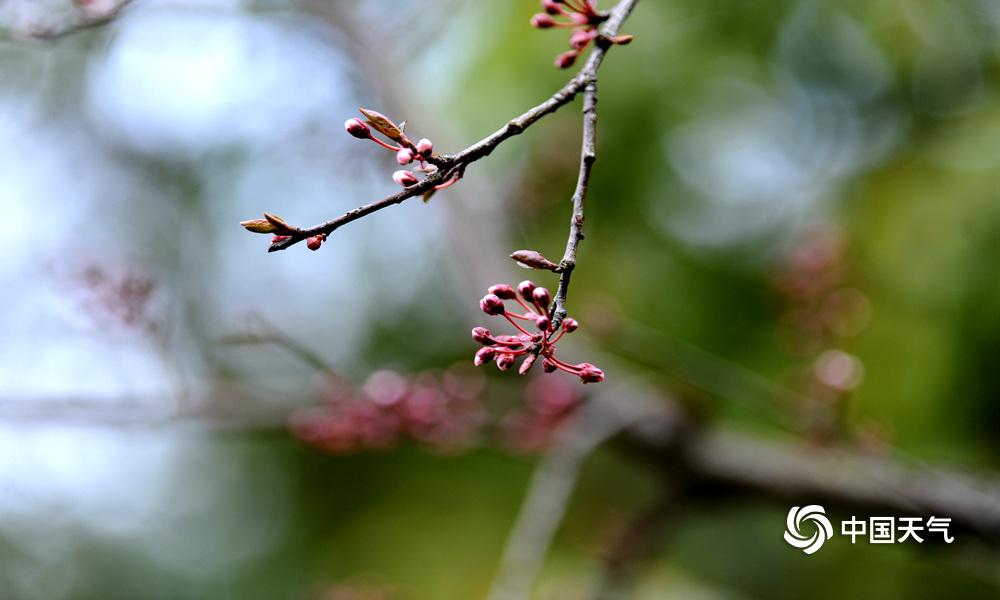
{"type": "Point", "coordinates": [503, 291]}
{"type": "Point", "coordinates": [504, 361]}
{"type": "Point", "coordinates": [589, 373]}
{"type": "Point", "coordinates": [357, 128]}
{"type": "Point", "coordinates": [580, 39]}
{"type": "Point", "coordinates": [569, 325]}
{"type": "Point", "coordinates": [566, 59]}
{"type": "Point", "coordinates": [525, 288]}
{"type": "Point", "coordinates": [314, 242]}
{"type": "Point", "coordinates": [279, 238]}
{"type": "Point", "coordinates": [548, 366]}
{"type": "Point", "coordinates": [527, 363]}
{"type": "Point", "coordinates": [405, 178]}
{"type": "Point", "coordinates": [541, 296]}
{"type": "Point", "coordinates": [551, 7]}
{"type": "Point", "coordinates": [482, 336]}
{"type": "Point", "coordinates": [483, 355]}
{"type": "Point", "coordinates": [542, 323]}
{"type": "Point", "coordinates": [492, 305]}
{"type": "Point", "coordinates": [425, 147]}
{"type": "Point", "coordinates": [404, 156]}
{"type": "Point", "coordinates": [542, 21]}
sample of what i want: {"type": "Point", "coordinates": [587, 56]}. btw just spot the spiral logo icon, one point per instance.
{"type": "Point", "coordinates": [793, 528]}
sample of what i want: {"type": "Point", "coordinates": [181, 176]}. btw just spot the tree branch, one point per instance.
{"type": "Point", "coordinates": [701, 462]}
{"type": "Point", "coordinates": [82, 21]}
{"type": "Point", "coordinates": [588, 154]}
{"type": "Point", "coordinates": [454, 165]}
{"type": "Point", "coordinates": [550, 490]}
{"type": "Point", "coordinates": [725, 463]}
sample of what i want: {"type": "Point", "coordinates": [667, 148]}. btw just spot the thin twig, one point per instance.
{"type": "Point", "coordinates": [455, 164]}
{"type": "Point", "coordinates": [588, 154]}
{"type": "Point", "coordinates": [292, 346]}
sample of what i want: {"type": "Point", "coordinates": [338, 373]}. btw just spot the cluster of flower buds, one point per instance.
{"type": "Point", "coordinates": [548, 402]}
{"type": "Point", "coordinates": [504, 350]}
{"type": "Point", "coordinates": [117, 298]}
{"type": "Point", "coordinates": [821, 314]}
{"type": "Point", "coordinates": [443, 412]}
{"type": "Point", "coordinates": [407, 152]}
{"type": "Point", "coordinates": [582, 17]}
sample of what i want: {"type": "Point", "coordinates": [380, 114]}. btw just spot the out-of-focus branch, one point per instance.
{"type": "Point", "coordinates": [725, 463]}
{"type": "Point", "coordinates": [551, 487]}
{"type": "Point", "coordinates": [261, 331]}
{"type": "Point", "coordinates": [83, 19]}
{"type": "Point", "coordinates": [706, 462]}
{"type": "Point", "coordinates": [839, 478]}
{"type": "Point", "coordinates": [621, 560]}
{"type": "Point", "coordinates": [450, 167]}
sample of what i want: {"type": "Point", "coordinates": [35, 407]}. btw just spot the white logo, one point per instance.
{"type": "Point", "coordinates": [793, 530]}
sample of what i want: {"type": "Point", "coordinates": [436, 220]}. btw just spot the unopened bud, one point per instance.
{"type": "Point", "coordinates": [357, 128]}
{"type": "Point", "coordinates": [622, 40]}
{"type": "Point", "coordinates": [491, 305]}
{"type": "Point", "coordinates": [279, 224]}
{"type": "Point", "coordinates": [542, 21]}
{"type": "Point", "coordinates": [258, 226]}
{"type": "Point", "coordinates": [425, 147]}
{"type": "Point", "coordinates": [566, 59]}
{"type": "Point", "coordinates": [503, 291]}
{"type": "Point", "coordinates": [542, 322]}
{"type": "Point", "coordinates": [551, 7]}
{"type": "Point", "coordinates": [482, 335]}
{"type": "Point", "coordinates": [504, 361]}
{"type": "Point", "coordinates": [383, 124]}
{"type": "Point", "coordinates": [569, 324]}
{"type": "Point", "coordinates": [532, 259]}
{"type": "Point", "coordinates": [404, 156]}
{"type": "Point", "coordinates": [525, 288]}
{"type": "Point", "coordinates": [549, 366]}
{"type": "Point", "coordinates": [580, 39]}
{"type": "Point", "coordinates": [527, 363]}
{"type": "Point", "coordinates": [483, 355]}
{"type": "Point", "coordinates": [314, 242]}
{"type": "Point", "coordinates": [506, 339]}
{"type": "Point", "coordinates": [405, 178]}
{"type": "Point", "coordinates": [541, 296]}
{"type": "Point", "coordinates": [589, 373]}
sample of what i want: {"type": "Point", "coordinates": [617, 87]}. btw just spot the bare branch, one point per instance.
{"type": "Point", "coordinates": [588, 154]}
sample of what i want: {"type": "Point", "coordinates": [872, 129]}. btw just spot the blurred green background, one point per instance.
{"type": "Point", "coordinates": [793, 227]}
